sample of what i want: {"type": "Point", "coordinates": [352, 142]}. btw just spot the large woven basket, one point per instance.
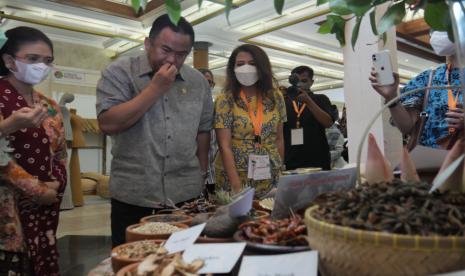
{"type": "Point", "coordinates": [348, 251]}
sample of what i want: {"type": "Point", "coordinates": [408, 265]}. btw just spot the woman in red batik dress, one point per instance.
{"type": "Point", "coordinates": [27, 58]}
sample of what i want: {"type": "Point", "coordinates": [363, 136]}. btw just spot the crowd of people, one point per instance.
{"type": "Point", "coordinates": [169, 138]}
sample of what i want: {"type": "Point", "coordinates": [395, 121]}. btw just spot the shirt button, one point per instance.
{"type": "Point", "coordinates": [169, 136]}
{"type": "Point", "coordinates": [166, 99]}
{"type": "Point", "coordinates": [164, 174]}
{"type": "Point", "coordinates": [167, 156]}
{"type": "Point", "coordinates": [167, 117]}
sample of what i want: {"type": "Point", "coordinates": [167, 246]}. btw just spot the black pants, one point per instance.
{"type": "Point", "coordinates": [124, 214]}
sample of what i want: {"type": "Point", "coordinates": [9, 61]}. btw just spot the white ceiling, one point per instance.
{"type": "Point", "coordinates": [258, 15]}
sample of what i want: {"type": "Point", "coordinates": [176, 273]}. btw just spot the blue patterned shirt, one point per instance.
{"type": "Point", "coordinates": [435, 125]}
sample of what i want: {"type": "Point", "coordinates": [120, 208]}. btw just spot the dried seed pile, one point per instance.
{"type": "Point", "coordinates": [137, 250]}
{"type": "Point", "coordinates": [198, 206]}
{"type": "Point", "coordinates": [396, 207]}
{"type": "Point", "coordinates": [160, 264]}
{"type": "Point", "coordinates": [156, 228]}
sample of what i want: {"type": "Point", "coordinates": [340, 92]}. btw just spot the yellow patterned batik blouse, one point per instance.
{"type": "Point", "coordinates": [234, 115]}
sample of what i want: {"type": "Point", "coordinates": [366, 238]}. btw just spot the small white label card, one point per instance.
{"type": "Point", "coordinates": [242, 204]}
{"type": "Point", "coordinates": [293, 264]}
{"type": "Point", "coordinates": [297, 136]}
{"type": "Point", "coordinates": [217, 257]}
{"type": "Point", "coordinates": [179, 241]}
{"type": "Point", "coordinates": [259, 167]}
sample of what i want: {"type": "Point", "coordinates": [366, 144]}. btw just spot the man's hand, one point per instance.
{"type": "Point", "coordinates": [48, 198]}
{"type": "Point", "coordinates": [164, 77]}
{"type": "Point", "coordinates": [388, 92]}
{"type": "Point", "coordinates": [304, 97]}
{"type": "Point", "coordinates": [455, 117]}
{"type": "Point", "coordinates": [29, 117]}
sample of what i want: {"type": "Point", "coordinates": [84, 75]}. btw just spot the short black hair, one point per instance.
{"type": "Point", "coordinates": [17, 37]}
{"type": "Point", "coordinates": [163, 21]}
{"type": "Point", "coordinates": [302, 69]}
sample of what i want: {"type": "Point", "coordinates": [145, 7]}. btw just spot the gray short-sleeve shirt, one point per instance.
{"type": "Point", "coordinates": [157, 155]}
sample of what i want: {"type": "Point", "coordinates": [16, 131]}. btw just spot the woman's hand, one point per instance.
{"type": "Point", "coordinates": [29, 117]}
{"type": "Point", "coordinates": [47, 198]}
{"type": "Point", "coordinates": [388, 92]}
{"type": "Point", "coordinates": [236, 187]}
{"type": "Point", "coordinates": [455, 117]}
{"type": "Point", "coordinates": [54, 185]}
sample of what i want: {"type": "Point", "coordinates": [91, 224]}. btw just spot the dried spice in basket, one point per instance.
{"type": "Point", "coordinates": [137, 250]}
{"type": "Point", "coordinates": [288, 232]}
{"type": "Point", "coordinates": [395, 207]}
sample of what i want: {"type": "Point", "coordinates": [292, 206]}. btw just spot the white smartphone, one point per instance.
{"type": "Point", "coordinates": [383, 67]}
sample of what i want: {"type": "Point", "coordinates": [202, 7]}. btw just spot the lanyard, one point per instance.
{"type": "Point", "coordinates": [298, 112]}
{"type": "Point", "coordinates": [451, 102]}
{"type": "Point", "coordinates": [256, 120]}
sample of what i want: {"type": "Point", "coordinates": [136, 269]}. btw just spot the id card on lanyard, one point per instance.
{"type": "Point", "coordinates": [297, 133]}
{"type": "Point", "coordinates": [259, 164]}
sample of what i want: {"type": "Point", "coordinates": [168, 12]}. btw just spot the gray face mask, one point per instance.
{"type": "Point", "coordinates": [303, 85]}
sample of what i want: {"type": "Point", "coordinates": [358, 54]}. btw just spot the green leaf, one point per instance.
{"type": "Point", "coordinates": [339, 7]}
{"type": "Point", "coordinates": [135, 5]}
{"type": "Point", "coordinates": [437, 15]}
{"type": "Point", "coordinates": [326, 27]}
{"type": "Point", "coordinates": [321, 2]}
{"type": "Point", "coordinates": [392, 17]}
{"type": "Point", "coordinates": [200, 3]}
{"type": "Point", "coordinates": [173, 7]}
{"type": "Point", "coordinates": [228, 8]}
{"type": "Point", "coordinates": [355, 31]}
{"type": "Point", "coordinates": [384, 38]}
{"type": "Point", "coordinates": [278, 6]}
{"type": "Point", "coordinates": [373, 21]}
{"type": "Point", "coordinates": [358, 7]}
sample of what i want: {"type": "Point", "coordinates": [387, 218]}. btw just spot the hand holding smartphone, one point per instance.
{"type": "Point", "coordinates": [383, 67]}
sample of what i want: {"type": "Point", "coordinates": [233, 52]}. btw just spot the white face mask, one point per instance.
{"type": "Point", "coordinates": [441, 44]}
{"type": "Point", "coordinates": [246, 74]}
{"type": "Point", "coordinates": [31, 73]}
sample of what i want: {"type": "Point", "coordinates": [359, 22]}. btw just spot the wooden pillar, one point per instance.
{"type": "Point", "coordinates": [201, 54]}
{"type": "Point", "coordinates": [75, 168]}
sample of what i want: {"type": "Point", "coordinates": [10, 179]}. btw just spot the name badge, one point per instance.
{"type": "Point", "coordinates": [259, 167]}
{"type": "Point", "coordinates": [297, 136]}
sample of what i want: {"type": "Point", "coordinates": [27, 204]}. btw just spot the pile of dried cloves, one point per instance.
{"type": "Point", "coordinates": [395, 207]}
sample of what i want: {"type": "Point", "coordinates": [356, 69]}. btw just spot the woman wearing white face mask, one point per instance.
{"type": "Point", "coordinates": [39, 175]}
{"type": "Point", "coordinates": [249, 117]}
{"type": "Point", "coordinates": [444, 122]}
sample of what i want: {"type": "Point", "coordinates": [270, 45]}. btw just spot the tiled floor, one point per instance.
{"type": "Point", "coordinates": [84, 236]}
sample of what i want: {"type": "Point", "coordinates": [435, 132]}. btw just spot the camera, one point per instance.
{"type": "Point", "coordinates": [294, 79]}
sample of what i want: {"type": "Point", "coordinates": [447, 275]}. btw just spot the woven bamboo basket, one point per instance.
{"type": "Point", "coordinates": [348, 251]}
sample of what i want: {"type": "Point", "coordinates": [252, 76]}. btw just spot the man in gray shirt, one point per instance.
{"type": "Point", "coordinates": [159, 113]}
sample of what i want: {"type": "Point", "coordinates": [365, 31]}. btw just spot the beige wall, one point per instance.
{"type": "Point", "coordinates": [76, 56]}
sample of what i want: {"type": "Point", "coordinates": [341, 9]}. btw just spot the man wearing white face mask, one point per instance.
{"type": "Point", "coordinates": [443, 123]}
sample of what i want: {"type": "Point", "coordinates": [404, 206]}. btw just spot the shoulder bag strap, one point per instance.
{"type": "Point", "coordinates": [423, 114]}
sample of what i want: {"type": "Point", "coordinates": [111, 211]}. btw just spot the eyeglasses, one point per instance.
{"type": "Point", "coordinates": [33, 58]}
